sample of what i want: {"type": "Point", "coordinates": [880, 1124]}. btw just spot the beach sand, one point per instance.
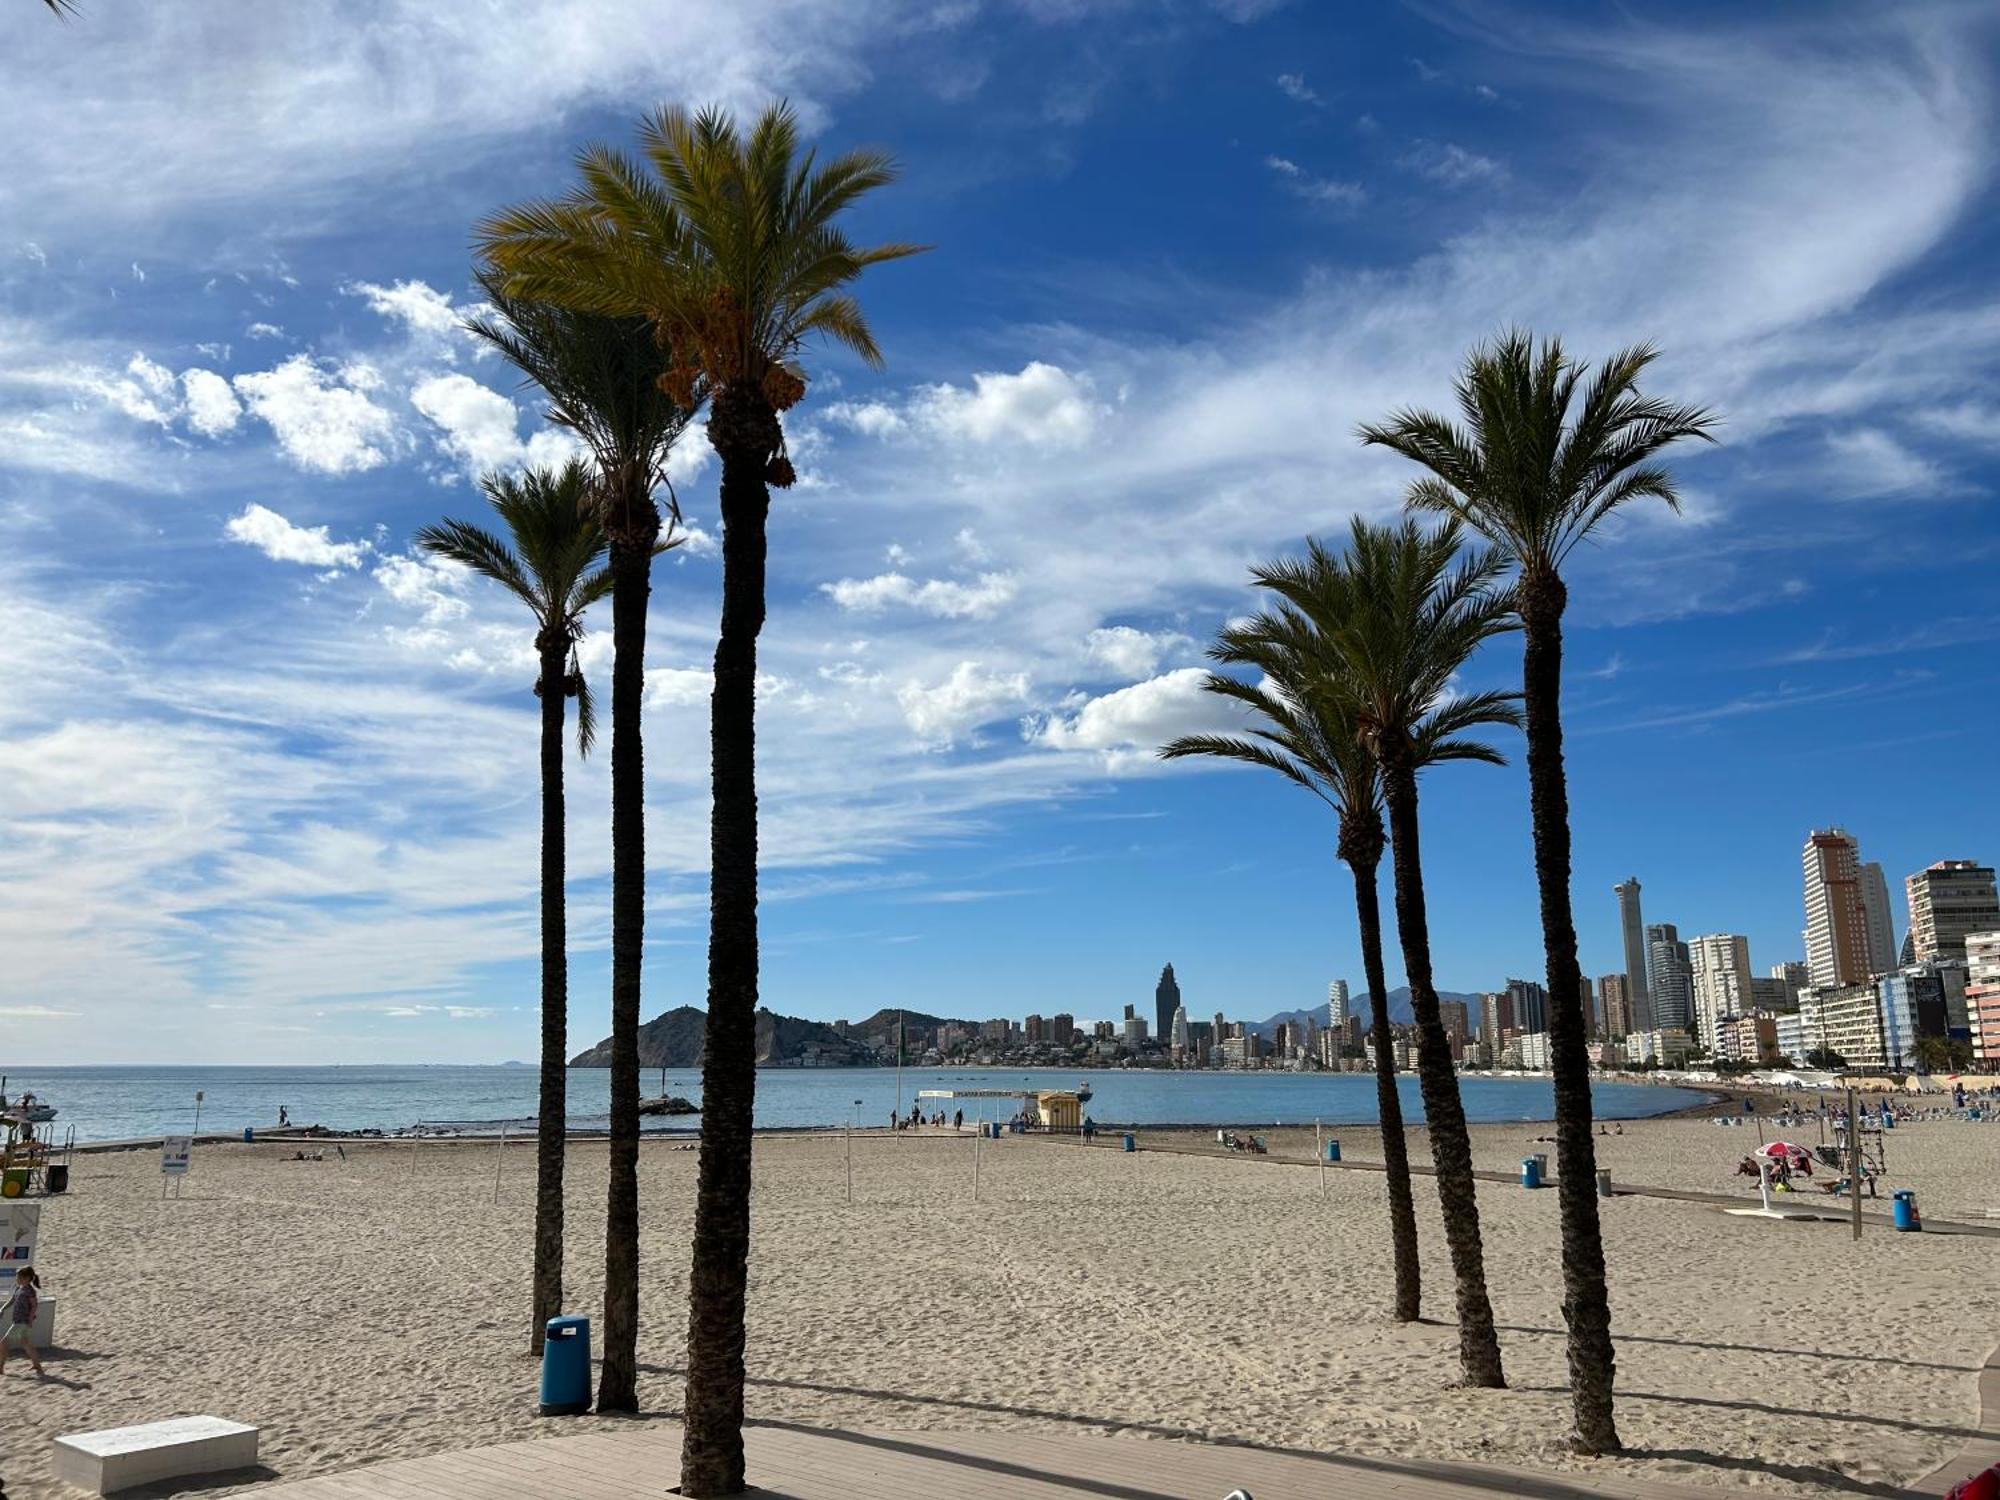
{"type": "Point", "coordinates": [376, 1308]}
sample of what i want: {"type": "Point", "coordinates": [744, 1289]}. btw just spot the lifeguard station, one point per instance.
{"type": "Point", "coordinates": [1059, 1110]}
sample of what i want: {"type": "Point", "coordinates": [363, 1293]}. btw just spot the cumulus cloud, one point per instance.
{"type": "Point", "coordinates": [1130, 652]}
{"type": "Point", "coordinates": [943, 597]}
{"type": "Point", "coordinates": [145, 391]}
{"type": "Point", "coordinates": [1137, 720]}
{"type": "Point", "coordinates": [1041, 406]}
{"type": "Point", "coordinates": [212, 407]}
{"type": "Point", "coordinates": [430, 585]}
{"type": "Point", "coordinates": [418, 306]}
{"type": "Point", "coordinates": [481, 427]}
{"type": "Point", "coordinates": [971, 696]}
{"type": "Point", "coordinates": [281, 541]}
{"type": "Point", "coordinates": [324, 420]}
{"type": "Point", "coordinates": [677, 687]}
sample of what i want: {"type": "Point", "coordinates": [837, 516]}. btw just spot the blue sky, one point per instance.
{"type": "Point", "coordinates": [267, 788]}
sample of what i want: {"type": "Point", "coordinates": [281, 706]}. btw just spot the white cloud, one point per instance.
{"type": "Point", "coordinates": [145, 391]}
{"type": "Point", "coordinates": [430, 585]}
{"type": "Point", "coordinates": [971, 696]}
{"type": "Point", "coordinates": [481, 427]}
{"type": "Point", "coordinates": [678, 687]}
{"type": "Point", "coordinates": [1452, 165]}
{"type": "Point", "coordinates": [943, 597]}
{"type": "Point", "coordinates": [212, 407]}
{"type": "Point", "coordinates": [1137, 720]}
{"type": "Point", "coordinates": [264, 331]}
{"type": "Point", "coordinates": [1129, 652]}
{"type": "Point", "coordinates": [1293, 86]}
{"type": "Point", "coordinates": [418, 306]}
{"type": "Point", "coordinates": [281, 541]}
{"type": "Point", "coordinates": [1326, 191]}
{"type": "Point", "coordinates": [1041, 406]}
{"type": "Point", "coordinates": [324, 421]}
{"type": "Point", "coordinates": [1870, 462]}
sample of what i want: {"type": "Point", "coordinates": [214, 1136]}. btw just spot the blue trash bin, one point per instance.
{"type": "Point", "coordinates": [1531, 1171]}
{"type": "Point", "coordinates": [566, 1367]}
{"type": "Point", "coordinates": [1131, 1142]}
{"type": "Point", "coordinates": [1333, 1150]}
{"type": "Point", "coordinates": [249, 1135]}
{"type": "Point", "coordinates": [1907, 1218]}
{"type": "Point", "coordinates": [1888, 1120]}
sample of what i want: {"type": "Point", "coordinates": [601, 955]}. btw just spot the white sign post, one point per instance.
{"type": "Point", "coordinates": [176, 1156]}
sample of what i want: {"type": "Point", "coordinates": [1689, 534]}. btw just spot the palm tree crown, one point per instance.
{"type": "Point", "coordinates": [551, 560]}
{"type": "Point", "coordinates": [728, 244]}
{"type": "Point", "coordinates": [1520, 471]}
{"type": "Point", "coordinates": [1402, 613]}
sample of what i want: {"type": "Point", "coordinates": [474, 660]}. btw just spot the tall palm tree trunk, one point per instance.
{"type": "Point", "coordinates": [1586, 1302]}
{"type": "Point", "coordinates": [631, 567]}
{"type": "Point", "coordinates": [744, 430]}
{"type": "Point", "coordinates": [1364, 859]}
{"type": "Point", "coordinates": [552, 1106]}
{"type": "Point", "coordinates": [1451, 1146]}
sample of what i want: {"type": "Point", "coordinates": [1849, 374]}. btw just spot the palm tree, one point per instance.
{"type": "Point", "coordinates": [730, 244]}
{"type": "Point", "coordinates": [1305, 738]}
{"type": "Point", "coordinates": [549, 560]}
{"type": "Point", "coordinates": [1401, 620]}
{"type": "Point", "coordinates": [600, 375]}
{"type": "Point", "coordinates": [1535, 484]}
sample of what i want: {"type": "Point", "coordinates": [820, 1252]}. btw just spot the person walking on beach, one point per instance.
{"type": "Point", "coordinates": [18, 1321]}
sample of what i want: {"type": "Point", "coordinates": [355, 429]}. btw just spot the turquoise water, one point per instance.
{"type": "Point", "coordinates": [115, 1103]}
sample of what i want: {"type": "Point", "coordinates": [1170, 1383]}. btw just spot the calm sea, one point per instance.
{"type": "Point", "coordinates": [115, 1103]}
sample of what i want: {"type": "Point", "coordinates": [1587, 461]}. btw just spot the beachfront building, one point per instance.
{"type": "Point", "coordinates": [1770, 995]}
{"type": "Point", "coordinates": [1632, 927]}
{"type": "Point", "coordinates": [1882, 955]}
{"type": "Point", "coordinates": [1166, 1000]}
{"type": "Point", "coordinates": [1533, 1051]}
{"type": "Point", "coordinates": [1847, 1019]}
{"type": "Point", "coordinates": [1178, 1032]}
{"type": "Point", "coordinates": [1949, 901]}
{"type": "Point", "coordinates": [1751, 1039]}
{"type": "Point", "coordinates": [1719, 977]}
{"type": "Point", "coordinates": [1456, 1020]}
{"type": "Point", "coordinates": [1669, 979]}
{"type": "Point", "coordinates": [1912, 1008]}
{"type": "Point", "coordinates": [1982, 996]}
{"type": "Point", "coordinates": [1790, 1032]}
{"type": "Point", "coordinates": [1666, 1047]}
{"type": "Point", "coordinates": [1794, 975]}
{"type": "Point", "coordinates": [1837, 944]}
{"type": "Point", "coordinates": [1496, 1020]}
{"type": "Point", "coordinates": [1614, 994]}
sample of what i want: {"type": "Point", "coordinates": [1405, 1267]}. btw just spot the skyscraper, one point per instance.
{"type": "Point", "coordinates": [1875, 912]}
{"type": "Point", "coordinates": [1836, 925]}
{"type": "Point", "coordinates": [1530, 1002]}
{"type": "Point", "coordinates": [1166, 1000]}
{"type": "Point", "coordinates": [1613, 991]}
{"type": "Point", "coordinates": [1632, 925]}
{"type": "Point", "coordinates": [1719, 972]}
{"type": "Point", "coordinates": [1177, 1033]}
{"type": "Point", "coordinates": [1336, 1004]}
{"type": "Point", "coordinates": [1669, 981]}
{"type": "Point", "coordinates": [1949, 901]}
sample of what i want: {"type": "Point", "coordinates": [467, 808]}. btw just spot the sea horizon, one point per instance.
{"type": "Point", "coordinates": [126, 1101]}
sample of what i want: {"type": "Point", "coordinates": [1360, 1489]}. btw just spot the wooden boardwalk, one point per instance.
{"type": "Point", "coordinates": [793, 1462]}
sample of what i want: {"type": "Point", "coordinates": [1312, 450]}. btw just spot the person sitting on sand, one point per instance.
{"type": "Point", "coordinates": [18, 1321]}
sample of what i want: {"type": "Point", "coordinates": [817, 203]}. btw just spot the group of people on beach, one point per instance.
{"type": "Point", "coordinates": [899, 1121]}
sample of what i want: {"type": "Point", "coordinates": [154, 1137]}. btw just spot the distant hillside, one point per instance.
{"type": "Point", "coordinates": [675, 1040]}
{"type": "Point", "coordinates": [1362, 1005]}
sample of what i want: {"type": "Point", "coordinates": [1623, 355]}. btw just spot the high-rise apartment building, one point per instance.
{"type": "Point", "coordinates": [1632, 926]}
{"type": "Point", "coordinates": [1496, 1019]}
{"type": "Point", "coordinates": [1062, 1028]}
{"type": "Point", "coordinates": [1166, 1000]}
{"type": "Point", "coordinates": [1031, 1029]}
{"type": "Point", "coordinates": [1795, 976]}
{"type": "Point", "coordinates": [1177, 1032]}
{"type": "Point", "coordinates": [1837, 943]}
{"type": "Point", "coordinates": [1453, 1014]}
{"type": "Point", "coordinates": [1875, 915]}
{"type": "Point", "coordinates": [1719, 977]}
{"type": "Point", "coordinates": [1982, 994]}
{"type": "Point", "coordinates": [1949, 901]}
{"type": "Point", "coordinates": [1615, 994]}
{"type": "Point", "coordinates": [1669, 981]}
{"type": "Point", "coordinates": [1529, 1003]}
{"type": "Point", "coordinates": [1336, 1004]}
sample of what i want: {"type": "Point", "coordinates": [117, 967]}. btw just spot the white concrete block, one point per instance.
{"type": "Point", "coordinates": [43, 1329]}
{"type": "Point", "coordinates": [121, 1457]}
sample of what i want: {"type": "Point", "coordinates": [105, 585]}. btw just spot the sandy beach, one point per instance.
{"type": "Point", "coordinates": [373, 1308]}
